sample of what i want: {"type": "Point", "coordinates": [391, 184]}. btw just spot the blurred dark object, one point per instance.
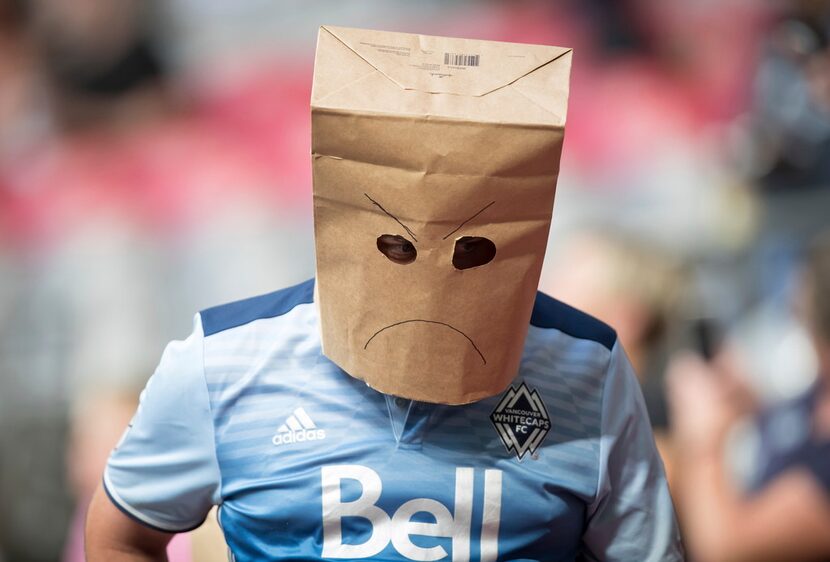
{"type": "Point", "coordinates": [12, 14]}
{"type": "Point", "coordinates": [707, 337]}
{"type": "Point", "coordinates": [137, 66]}
{"type": "Point", "coordinates": [617, 27]}
{"type": "Point", "coordinates": [101, 57]}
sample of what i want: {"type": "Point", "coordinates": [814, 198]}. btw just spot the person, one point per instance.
{"type": "Point", "coordinates": [418, 399]}
{"type": "Point", "coordinates": [784, 512]}
{"type": "Point", "coordinates": [247, 413]}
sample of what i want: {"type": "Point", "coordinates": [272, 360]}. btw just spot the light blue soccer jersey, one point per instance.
{"type": "Point", "coordinates": [309, 463]}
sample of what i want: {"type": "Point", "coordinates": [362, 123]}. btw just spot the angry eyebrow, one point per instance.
{"type": "Point", "coordinates": [379, 206]}
{"type": "Point", "coordinates": [468, 220]}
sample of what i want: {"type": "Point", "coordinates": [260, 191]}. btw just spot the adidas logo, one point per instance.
{"type": "Point", "coordinates": [298, 428]}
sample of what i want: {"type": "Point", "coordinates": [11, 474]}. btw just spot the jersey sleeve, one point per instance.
{"type": "Point", "coordinates": [632, 516]}
{"type": "Point", "coordinates": [163, 472]}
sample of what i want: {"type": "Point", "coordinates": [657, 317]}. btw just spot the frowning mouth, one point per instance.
{"type": "Point", "coordinates": [453, 328]}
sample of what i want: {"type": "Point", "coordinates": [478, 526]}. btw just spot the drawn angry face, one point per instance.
{"type": "Point", "coordinates": [468, 252]}
{"type": "Point", "coordinates": [427, 270]}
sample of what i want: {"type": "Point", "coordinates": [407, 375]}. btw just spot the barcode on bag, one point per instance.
{"type": "Point", "coordinates": [455, 59]}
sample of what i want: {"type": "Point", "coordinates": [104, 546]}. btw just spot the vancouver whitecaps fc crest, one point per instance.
{"type": "Point", "coordinates": [521, 420]}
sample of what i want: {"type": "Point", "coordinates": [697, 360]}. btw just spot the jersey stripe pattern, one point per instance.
{"type": "Point", "coordinates": [307, 462]}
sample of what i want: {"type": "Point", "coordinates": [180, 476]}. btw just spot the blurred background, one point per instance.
{"type": "Point", "coordinates": [154, 160]}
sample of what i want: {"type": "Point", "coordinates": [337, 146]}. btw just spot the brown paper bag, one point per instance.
{"type": "Point", "coordinates": [435, 163]}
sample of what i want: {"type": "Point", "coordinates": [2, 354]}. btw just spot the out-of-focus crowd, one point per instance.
{"type": "Point", "coordinates": [154, 160]}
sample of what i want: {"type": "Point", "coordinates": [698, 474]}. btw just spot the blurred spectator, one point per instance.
{"type": "Point", "coordinates": [628, 283]}
{"type": "Point", "coordinates": [635, 287]}
{"type": "Point", "coordinates": [784, 511]}
{"type": "Point", "coordinates": [790, 123]}
{"type": "Point", "coordinates": [24, 113]}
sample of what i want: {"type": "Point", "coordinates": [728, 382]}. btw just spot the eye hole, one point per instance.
{"type": "Point", "coordinates": [397, 248]}
{"type": "Point", "coordinates": [473, 251]}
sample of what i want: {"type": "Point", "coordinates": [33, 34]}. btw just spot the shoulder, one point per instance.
{"type": "Point", "coordinates": [278, 303]}
{"type": "Point", "coordinates": [569, 356]}
{"type": "Point", "coordinates": [573, 357]}
{"type": "Point", "coordinates": [549, 313]}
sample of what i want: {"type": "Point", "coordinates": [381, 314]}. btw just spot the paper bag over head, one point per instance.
{"type": "Point", "coordinates": [435, 163]}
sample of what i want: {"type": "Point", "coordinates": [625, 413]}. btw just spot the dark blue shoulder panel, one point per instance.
{"type": "Point", "coordinates": [227, 316]}
{"type": "Point", "coordinates": [551, 313]}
